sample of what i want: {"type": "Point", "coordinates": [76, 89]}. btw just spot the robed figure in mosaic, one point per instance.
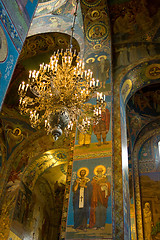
{"type": "Point", "coordinates": [101, 128]}
{"type": "Point", "coordinates": [99, 200]}
{"type": "Point", "coordinates": [81, 199]}
{"type": "Point", "coordinates": [147, 215]}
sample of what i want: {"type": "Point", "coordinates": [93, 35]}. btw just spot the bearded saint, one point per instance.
{"type": "Point", "coordinates": [99, 201]}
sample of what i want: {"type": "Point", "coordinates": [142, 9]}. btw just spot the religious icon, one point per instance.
{"type": "Point", "coordinates": [147, 221]}
{"type": "Point", "coordinates": [84, 138]}
{"type": "Point", "coordinates": [126, 88]}
{"type": "Point", "coordinates": [102, 127]}
{"type": "Point", "coordinates": [81, 199]}
{"type": "Point", "coordinates": [97, 31]}
{"type": "Point", "coordinates": [103, 70]}
{"type": "Point", "coordinates": [99, 200]}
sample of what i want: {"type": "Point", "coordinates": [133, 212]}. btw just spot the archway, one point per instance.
{"type": "Point", "coordinates": [38, 209]}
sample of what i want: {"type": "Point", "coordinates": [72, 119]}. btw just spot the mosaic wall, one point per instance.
{"type": "Point", "coordinates": [57, 16]}
{"type": "Point", "coordinates": [90, 204]}
{"type": "Point", "coordinates": [134, 79]}
{"type": "Point", "coordinates": [96, 145]}
{"type": "Point", "coordinates": [14, 26]}
{"type": "Point", "coordinates": [146, 179]}
{"type": "Point", "coordinates": [132, 42]}
{"type": "Point", "coordinates": [37, 213]}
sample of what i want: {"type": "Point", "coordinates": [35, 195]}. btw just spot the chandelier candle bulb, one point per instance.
{"type": "Point", "coordinates": [30, 74]}
{"type": "Point", "coordinates": [93, 82]}
{"type": "Point", "coordinates": [23, 85]}
{"type": "Point", "coordinates": [97, 112]}
{"type": "Point", "coordinates": [19, 87]}
{"type": "Point", "coordinates": [97, 83]}
{"type": "Point", "coordinates": [27, 87]}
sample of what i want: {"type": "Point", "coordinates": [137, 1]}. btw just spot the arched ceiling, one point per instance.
{"type": "Point", "coordinates": [143, 112]}
{"type": "Point", "coordinates": [57, 16]}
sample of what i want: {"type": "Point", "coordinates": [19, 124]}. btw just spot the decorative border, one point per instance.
{"type": "Point", "coordinates": [91, 3]}
{"type": "Point", "coordinates": [12, 32]}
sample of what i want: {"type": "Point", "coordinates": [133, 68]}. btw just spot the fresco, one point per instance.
{"type": "Point", "coordinates": [150, 193]}
{"type": "Point", "coordinates": [44, 44]}
{"type": "Point", "coordinates": [131, 20]}
{"type": "Point", "coordinates": [23, 13]}
{"type": "Point", "coordinates": [58, 23]}
{"type": "Point", "coordinates": [146, 101]}
{"type": "Point", "coordinates": [36, 211]}
{"type": "Point", "coordinates": [45, 6]}
{"type": "Point", "coordinates": [57, 16]}
{"type": "Point", "coordinates": [10, 27]}
{"type": "Point", "coordinates": [90, 200]}
{"type": "Point", "coordinates": [12, 42]}
{"type": "Point", "coordinates": [98, 138]}
{"type": "Point", "coordinates": [8, 63]}
{"type": "Point", "coordinates": [142, 108]}
{"type": "Point", "coordinates": [100, 66]}
{"type": "Point", "coordinates": [126, 54]}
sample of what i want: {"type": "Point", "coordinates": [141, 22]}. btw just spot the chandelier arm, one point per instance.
{"type": "Point", "coordinates": [60, 90]}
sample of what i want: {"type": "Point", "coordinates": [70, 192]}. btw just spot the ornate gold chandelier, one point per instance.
{"type": "Point", "coordinates": [55, 94]}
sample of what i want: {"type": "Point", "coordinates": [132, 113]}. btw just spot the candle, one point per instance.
{"type": "Point", "coordinates": [23, 85]}
{"type": "Point", "coordinates": [97, 83]}
{"type": "Point", "coordinates": [30, 74]}
{"type": "Point", "coordinates": [19, 87]}
{"type": "Point", "coordinates": [93, 82]}
{"type": "Point", "coordinates": [27, 87]}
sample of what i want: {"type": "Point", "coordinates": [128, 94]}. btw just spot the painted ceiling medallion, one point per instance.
{"type": "Point", "coordinates": [96, 32]}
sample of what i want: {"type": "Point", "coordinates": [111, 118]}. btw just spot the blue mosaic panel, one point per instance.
{"type": "Point", "coordinates": [7, 64]}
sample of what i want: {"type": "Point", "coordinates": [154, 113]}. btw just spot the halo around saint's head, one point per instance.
{"type": "Point", "coordinates": [99, 166]}
{"type": "Point", "coordinates": [83, 168]}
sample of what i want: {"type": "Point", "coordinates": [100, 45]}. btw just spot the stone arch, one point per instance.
{"type": "Point", "coordinates": [126, 84]}
{"type": "Point", "coordinates": [52, 158]}
{"type": "Point", "coordinates": [138, 144]}
{"type": "Point", "coordinates": [46, 168]}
